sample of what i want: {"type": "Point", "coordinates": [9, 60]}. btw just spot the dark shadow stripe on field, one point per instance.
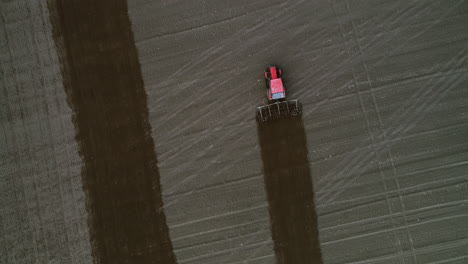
{"type": "Point", "coordinates": [289, 191]}
{"type": "Point", "coordinates": [104, 86]}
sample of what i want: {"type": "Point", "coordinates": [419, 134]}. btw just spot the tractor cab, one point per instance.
{"type": "Point", "coordinates": [275, 86]}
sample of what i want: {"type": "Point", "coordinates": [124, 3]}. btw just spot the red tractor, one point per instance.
{"type": "Point", "coordinates": [274, 84]}
{"type": "Point", "coordinates": [278, 107]}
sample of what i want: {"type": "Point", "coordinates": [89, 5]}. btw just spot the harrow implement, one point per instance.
{"type": "Point", "coordinates": [278, 110]}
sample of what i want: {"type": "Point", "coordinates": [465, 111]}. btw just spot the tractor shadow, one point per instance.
{"type": "Point", "coordinates": [289, 190]}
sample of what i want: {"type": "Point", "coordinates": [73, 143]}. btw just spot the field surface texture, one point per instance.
{"type": "Point", "coordinates": [128, 132]}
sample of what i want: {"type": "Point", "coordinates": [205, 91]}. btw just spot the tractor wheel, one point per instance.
{"type": "Point", "coordinates": [267, 74]}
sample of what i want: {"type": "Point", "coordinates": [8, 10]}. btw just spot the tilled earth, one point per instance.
{"type": "Point", "coordinates": [105, 90]}
{"type": "Point", "coordinates": [289, 190]}
{"type": "Point", "coordinates": [129, 133]}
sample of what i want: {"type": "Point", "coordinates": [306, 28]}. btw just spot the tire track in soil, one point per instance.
{"type": "Point", "coordinates": [103, 81]}
{"type": "Point", "coordinates": [289, 191]}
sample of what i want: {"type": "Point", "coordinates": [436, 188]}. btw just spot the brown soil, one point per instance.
{"type": "Point", "coordinates": [289, 191]}
{"type": "Point", "coordinates": [105, 90]}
